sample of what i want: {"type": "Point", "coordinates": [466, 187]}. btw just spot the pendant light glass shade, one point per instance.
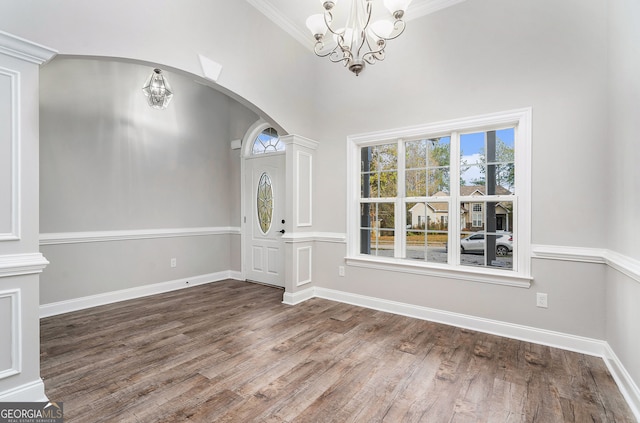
{"type": "Point", "coordinates": [157, 90]}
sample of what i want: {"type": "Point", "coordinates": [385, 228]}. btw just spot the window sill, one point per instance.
{"type": "Point", "coordinates": [491, 276]}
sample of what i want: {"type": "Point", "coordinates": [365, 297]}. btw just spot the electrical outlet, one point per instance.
{"type": "Point", "coordinates": [174, 262]}
{"type": "Point", "coordinates": [340, 270]}
{"type": "Point", "coordinates": [541, 300]}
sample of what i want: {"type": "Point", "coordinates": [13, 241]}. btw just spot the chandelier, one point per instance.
{"type": "Point", "coordinates": [157, 90]}
{"type": "Point", "coordinates": [360, 41]}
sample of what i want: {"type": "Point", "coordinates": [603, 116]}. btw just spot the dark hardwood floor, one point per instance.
{"type": "Point", "coordinates": [231, 352]}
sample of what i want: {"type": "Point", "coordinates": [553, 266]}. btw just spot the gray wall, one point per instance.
{"type": "Point", "coordinates": [109, 162]}
{"type": "Point", "coordinates": [487, 56]}
{"type": "Point", "coordinates": [623, 292]}
{"type": "Point", "coordinates": [475, 58]}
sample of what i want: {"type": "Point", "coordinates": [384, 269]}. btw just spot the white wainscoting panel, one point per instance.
{"type": "Point", "coordinates": [304, 259]}
{"type": "Point", "coordinates": [10, 333]}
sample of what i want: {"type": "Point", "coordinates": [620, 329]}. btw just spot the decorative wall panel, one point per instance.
{"type": "Point", "coordinates": [9, 333]}
{"type": "Point", "coordinates": [9, 151]}
{"type": "Point", "coordinates": [304, 178]}
{"type": "Point", "coordinates": [303, 265]}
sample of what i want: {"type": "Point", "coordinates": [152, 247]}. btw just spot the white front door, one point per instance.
{"type": "Point", "coordinates": [263, 259]}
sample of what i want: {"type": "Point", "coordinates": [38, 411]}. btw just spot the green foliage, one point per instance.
{"type": "Point", "coordinates": [427, 164]}
{"type": "Point", "coordinates": [380, 170]}
{"type": "Point", "coordinates": [505, 168]}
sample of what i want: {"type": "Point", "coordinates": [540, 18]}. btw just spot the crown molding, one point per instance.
{"type": "Point", "coordinates": [22, 49]}
{"type": "Point", "coordinates": [277, 17]}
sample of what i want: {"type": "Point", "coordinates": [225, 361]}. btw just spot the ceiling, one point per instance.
{"type": "Point", "coordinates": [290, 15]}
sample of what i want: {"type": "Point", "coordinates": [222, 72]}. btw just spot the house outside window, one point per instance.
{"type": "Point", "coordinates": [450, 198]}
{"type": "Point", "coordinates": [477, 215]}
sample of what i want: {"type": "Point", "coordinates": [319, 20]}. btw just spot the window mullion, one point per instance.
{"type": "Point", "coordinates": [454, 202]}
{"type": "Point", "coordinates": [400, 206]}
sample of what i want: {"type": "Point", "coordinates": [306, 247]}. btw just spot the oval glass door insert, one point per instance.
{"type": "Point", "coordinates": [265, 202]}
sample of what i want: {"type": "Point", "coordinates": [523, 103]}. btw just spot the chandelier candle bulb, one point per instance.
{"type": "Point", "coordinates": [360, 42]}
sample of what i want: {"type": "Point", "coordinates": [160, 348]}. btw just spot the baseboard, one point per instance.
{"type": "Point", "coordinates": [67, 306]}
{"type": "Point", "coordinates": [524, 333]}
{"type": "Point", "coordinates": [554, 339]}
{"type": "Point", "coordinates": [293, 298]}
{"type": "Point", "coordinates": [29, 392]}
{"type": "Point", "coordinates": [625, 383]}
{"type": "Point", "coordinates": [235, 275]}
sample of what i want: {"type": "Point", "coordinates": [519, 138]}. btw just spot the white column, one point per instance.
{"type": "Point", "coordinates": [20, 259]}
{"type": "Point", "coordinates": [299, 236]}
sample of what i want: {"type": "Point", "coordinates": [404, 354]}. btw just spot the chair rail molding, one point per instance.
{"type": "Point", "coordinates": [624, 264]}
{"type": "Point", "coordinates": [125, 235]}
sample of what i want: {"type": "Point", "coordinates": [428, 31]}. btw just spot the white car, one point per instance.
{"type": "Point", "coordinates": [475, 244]}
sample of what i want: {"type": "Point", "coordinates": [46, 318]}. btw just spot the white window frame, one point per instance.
{"type": "Point", "coordinates": [520, 275]}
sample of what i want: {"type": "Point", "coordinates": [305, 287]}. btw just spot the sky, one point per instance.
{"type": "Point", "coordinates": [472, 146]}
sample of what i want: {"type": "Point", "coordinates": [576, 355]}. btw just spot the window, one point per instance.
{"type": "Point", "coordinates": [267, 142]}
{"type": "Point", "coordinates": [476, 216]}
{"type": "Point", "coordinates": [451, 199]}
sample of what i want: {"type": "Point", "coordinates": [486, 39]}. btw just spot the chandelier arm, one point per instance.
{"type": "Point", "coordinates": [374, 54]}
{"type": "Point", "coordinates": [346, 50]}
{"type": "Point", "coordinates": [317, 49]}
{"type": "Point", "coordinates": [363, 32]}
{"type": "Point", "coordinates": [328, 20]}
{"type": "Point", "coordinates": [370, 56]}
{"type": "Point", "coordinates": [333, 54]}
{"type": "Point", "coordinates": [399, 25]}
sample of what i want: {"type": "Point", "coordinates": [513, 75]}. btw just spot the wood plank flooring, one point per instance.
{"type": "Point", "coordinates": [231, 352]}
